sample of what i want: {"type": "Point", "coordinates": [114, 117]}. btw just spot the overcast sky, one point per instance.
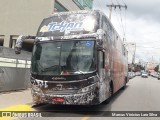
{"type": "Point", "coordinates": [141, 26]}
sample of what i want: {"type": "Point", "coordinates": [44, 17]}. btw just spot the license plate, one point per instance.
{"type": "Point", "coordinates": [58, 99]}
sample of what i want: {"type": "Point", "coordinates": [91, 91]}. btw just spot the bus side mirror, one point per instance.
{"type": "Point", "coordinates": [17, 50]}
{"type": "Point", "coordinates": [19, 42]}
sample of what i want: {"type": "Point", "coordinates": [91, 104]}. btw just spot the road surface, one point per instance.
{"type": "Point", "coordinates": [141, 94]}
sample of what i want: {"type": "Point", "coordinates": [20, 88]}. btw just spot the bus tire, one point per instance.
{"type": "Point", "coordinates": [110, 94]}
{"type": "Point", "coordinates": [125, 82]}
{"type": "Point", "coordinates": [96, 98]}
{"type": "Point", "coordinates": [111, 89]}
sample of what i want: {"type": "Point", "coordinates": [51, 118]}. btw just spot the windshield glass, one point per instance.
{"type": "Point", "coordinates": [64, 58]}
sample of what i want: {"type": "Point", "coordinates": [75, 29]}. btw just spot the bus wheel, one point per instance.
{"type": "Point", "coordinates": [96, 98]}
{"type": "Point", "coordinates": [125, 82]}
{"type": "Point", "coordinates": [110, 94]}
{"type": "Point", "coordinates": [111, 89]}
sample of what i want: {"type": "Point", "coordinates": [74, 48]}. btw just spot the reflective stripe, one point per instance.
{"type": "Point", "coordinates": [7, 60]}
{"type": "Point", "coordinates": [7, 64]}
{"type": "Point", "coordinates": [28, 62]}
{"type": "Point", "coordinates": [22, 61]}
{"type": "Point", "coordinates": [18, 63]}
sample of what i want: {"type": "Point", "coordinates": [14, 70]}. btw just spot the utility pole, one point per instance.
{"type": "Point", "coordinates": [134, 51]}
{"type": "Point", "coordinates": [133, 55]}
{"type": "Point", "coordinates": [115, 6]}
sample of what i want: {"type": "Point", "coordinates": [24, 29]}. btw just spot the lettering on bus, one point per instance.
{"type": "Point", "coordinates": [40, 83]}
{"type": "Point", "coordinates": [55, 26]}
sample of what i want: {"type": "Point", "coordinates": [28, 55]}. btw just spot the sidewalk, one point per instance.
{"type": "Point", "coordinates": [15, 98]}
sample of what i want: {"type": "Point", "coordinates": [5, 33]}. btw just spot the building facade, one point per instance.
{"type": "Point", "coordinates": [22, 17]}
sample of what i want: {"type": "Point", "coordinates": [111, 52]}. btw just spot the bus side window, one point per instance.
{"type": "Point", "coordinates": [101, 60]}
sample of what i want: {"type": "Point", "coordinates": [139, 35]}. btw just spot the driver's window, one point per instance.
{"type": "Point", "coordinates": [100, 61]}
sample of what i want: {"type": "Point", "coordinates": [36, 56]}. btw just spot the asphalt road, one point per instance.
{"type": "Point", "coordinates": [141, 94]}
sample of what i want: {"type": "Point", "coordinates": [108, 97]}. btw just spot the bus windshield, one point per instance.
{"type": "Point", "coordinates": [64, 58]}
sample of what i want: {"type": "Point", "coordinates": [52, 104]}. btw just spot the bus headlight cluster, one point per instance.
{"type": "Point", "coordinates": [86, 89]}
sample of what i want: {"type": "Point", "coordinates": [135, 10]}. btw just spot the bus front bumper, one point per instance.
{"type": "Point", "coordinates": [88, 98]}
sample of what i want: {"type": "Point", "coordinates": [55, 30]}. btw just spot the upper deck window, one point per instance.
{"type": "Point", "coordinates": [84, 4]}
{"type": "Point", "coordinates": [59, 7]}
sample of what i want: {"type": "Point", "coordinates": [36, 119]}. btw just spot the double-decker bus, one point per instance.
{"type": "Point", "coordinates": [77, 59]}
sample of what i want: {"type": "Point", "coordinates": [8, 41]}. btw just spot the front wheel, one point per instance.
{"type": "Point", "coordinates": [110, 95]}
{"type": "Point", "coordinates": [125, 82]}
{"type": "Point", "coordinates": [111, 90]}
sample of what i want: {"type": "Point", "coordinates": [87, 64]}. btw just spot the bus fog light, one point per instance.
{"type": "Point", "coordinates": [36, 89]}
{"type": "Point", "coordinates": [86, 89]}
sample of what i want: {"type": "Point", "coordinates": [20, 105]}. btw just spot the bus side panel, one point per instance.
{"type": "Point", "coordinates": [118, 61]}
{"type": "Point", "coordinates": [105, 73]}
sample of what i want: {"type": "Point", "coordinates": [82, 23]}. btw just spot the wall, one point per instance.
{"type": "Point", "coordinates": [14, 70]}
{"type": "Point", "coordinates": [22, 16]}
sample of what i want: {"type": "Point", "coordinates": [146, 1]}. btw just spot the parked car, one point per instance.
{"type": "Point", "coordinates": [131, 75]}
{"type": "Point", "coordinates": [144, 74]}
{"type": "Point", "coordinates": [154, 74]}
{"type": "Point", "coordinates": [138, 73]}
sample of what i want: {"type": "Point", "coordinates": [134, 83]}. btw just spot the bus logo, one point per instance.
{"type": "Point", "coordinates": [59, 87]}
{"type": "Point", "coordinates": [58, 78]}
{"type": "Point", "coordinates": [55, 26]}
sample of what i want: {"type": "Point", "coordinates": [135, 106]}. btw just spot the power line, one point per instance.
{"type": "Point", "coordinates": [148, 47]}
{"type": "Point", "coordinates": [125, 18]}
{"type": "Point", "coordinates": [148, 53]}
{"type": "Point", "coordinates": [117, 2]}
{"type": "Point", "coordinates": [123, 2]}
{"type": "Point", "coordinates": [149, 42]}
{"type": "Point", "coordinates": [115, 6]}
{"type": "Point", "coordinates": [122, 24]}
{"type": "Point", "coordinates": [125, 24]}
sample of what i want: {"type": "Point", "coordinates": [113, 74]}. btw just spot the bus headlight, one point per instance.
{"type": "Point", "coordinates": [87, 89]}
